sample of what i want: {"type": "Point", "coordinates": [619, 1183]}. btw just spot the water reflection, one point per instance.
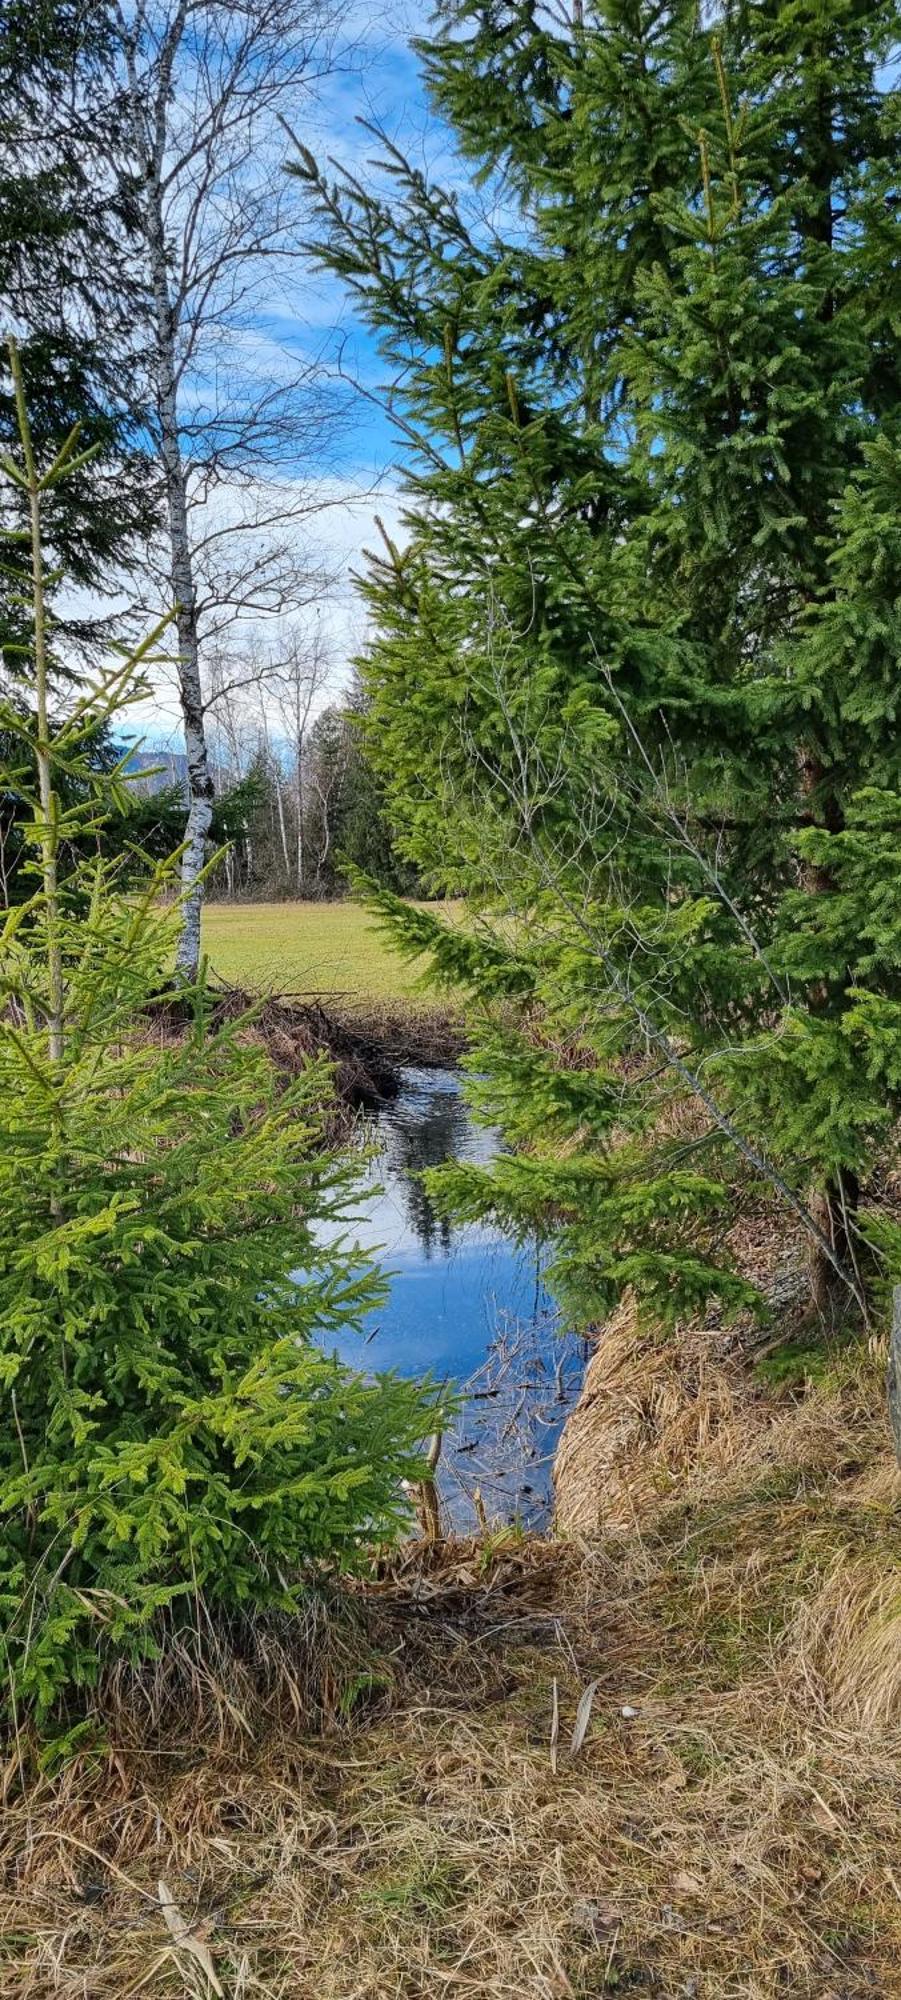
{"type": "Point", "coordinates": [465, 1305]}
{"type": "Point", "coordinates": [427, 1124]}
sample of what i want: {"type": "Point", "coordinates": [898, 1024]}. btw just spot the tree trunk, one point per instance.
{"type": "Point", "coordinates": [834, 1208]}
{"type": "Point", "coordinates": [200, 783]}
{"type": "Point", "coordinates": [299, 809]}
{"type": "Point", "coordinates": [274, 769]}
{"type": "Point", "coordinates": [834, 1204]}
{"type": "Point", "coordinates": [326, 839]}
{"type": "Point", "coordinates": [149, 149]}
{"type": "Point", "coordinates": [282, 828]}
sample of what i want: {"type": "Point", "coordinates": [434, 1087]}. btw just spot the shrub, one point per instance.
{"type": "Point", "coordinates": [175, 1432]}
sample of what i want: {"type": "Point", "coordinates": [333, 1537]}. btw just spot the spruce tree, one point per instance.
{"type": "Point", "coordinates": [611, 687]}
{"type": "Point", "coordinates": [70, 292]}
{"type": "Point", "coordinates": [179, 1445]}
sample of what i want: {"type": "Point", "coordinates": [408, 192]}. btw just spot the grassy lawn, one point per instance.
{"type": "Point", "coordinates": [327, 949]}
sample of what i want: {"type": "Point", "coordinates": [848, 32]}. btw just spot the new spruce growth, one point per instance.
{"type": "Point", "coordinates": [177, 1439]}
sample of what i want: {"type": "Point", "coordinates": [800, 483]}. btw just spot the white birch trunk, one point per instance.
{"type": "Point", "coordinates": [282, 827]}
{"type": "Point", "coordinates": [200, 784]}
{"type": "Point", "coordinates": [298, 808]}
{"type": "Point", "coordinates": [272, 765]}
{"type": "Point", "coordinates": [149, 140]}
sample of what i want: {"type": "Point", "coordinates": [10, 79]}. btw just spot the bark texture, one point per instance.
{"type": "Point", "coordinates": [148, 118]}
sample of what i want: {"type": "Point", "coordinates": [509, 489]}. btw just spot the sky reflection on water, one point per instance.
{"type": "Point", "coordinates": [465, 1305]}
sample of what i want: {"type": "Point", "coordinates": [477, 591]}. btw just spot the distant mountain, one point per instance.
{"type": "Point", "coordinates": [159, 771]}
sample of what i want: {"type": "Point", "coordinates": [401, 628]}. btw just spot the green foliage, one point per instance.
{"type": "Point", "coordinates": [795, 1363]}
{"type": "Point", "coordinates": [362, 834]}
{"type": "Point", "coordinates": [135, 825]}
{"type": "Point", "coordinates": [68, 205]}
{"type": "Point", "coordinates": [174, 1431]}
{"type": "Point", "coordinates": [633, 684]}
{"type": "Point", "coordinates": [177, 1436]}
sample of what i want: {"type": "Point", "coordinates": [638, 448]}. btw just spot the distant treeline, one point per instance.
{"type": "Point", "coordinates": [286, 825]}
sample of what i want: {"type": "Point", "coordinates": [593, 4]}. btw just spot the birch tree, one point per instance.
{"type": "Point", "coordinates": [301, 682]}
{"type": "Point", "coordinates": [328, 763]}
{"type": "Point", "coordinates": [206, 83]}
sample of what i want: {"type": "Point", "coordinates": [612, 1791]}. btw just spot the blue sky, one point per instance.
{"type": "Point", "coordinates": [307, 316]}
{"type": "Point", "coordinates": [381, 84]}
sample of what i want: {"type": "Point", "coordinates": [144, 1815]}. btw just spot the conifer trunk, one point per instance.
{"type": "Point", "coordinates": [834, 1208]}
{"type": "Point", "coordinates": [833, 1205]}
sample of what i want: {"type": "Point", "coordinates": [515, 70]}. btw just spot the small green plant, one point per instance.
{"type": "Point", "coordinates": [795, 1362]}
{"type": "Point", "coordinates": [423, 1892]}
{"type": "Point", "coordinates": [363, 1687]}
{"type": "Point", "coordinates": [176, 1433]}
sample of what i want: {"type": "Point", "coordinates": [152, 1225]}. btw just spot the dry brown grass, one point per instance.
{"type": "Point", "coordinates": [365, 1804]}
{"type": "Point", "coordinates": [652, 1413]}
{"type": "Point", "coordinates": [847, 1645]}
{"type": "Point", "coordinates": [685, 1415]}
{"type": "Point", "coordinates": [730, 1828]}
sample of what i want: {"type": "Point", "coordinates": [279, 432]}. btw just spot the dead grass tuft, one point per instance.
{"type": "Point", "coordinates": [224, 1682]}
{"type": "Point", "coordinates": [846, 1646]}
{"type": "Point", "coordinates": [655, 1411]}
{"type": "Point", "coordinates": [413, 1794]}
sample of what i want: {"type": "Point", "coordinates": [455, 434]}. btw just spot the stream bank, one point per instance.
{"type": "Point", "coordinates": [380, 1798]}
{"type": "Point", "coordinates": [368, 1042]}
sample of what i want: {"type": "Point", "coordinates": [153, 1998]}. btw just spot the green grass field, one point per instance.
{"type": "Point", "coordinates": [330, 950]}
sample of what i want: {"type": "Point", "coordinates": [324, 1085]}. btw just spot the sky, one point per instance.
{"type": "Point", "coordinates": [357, 474]}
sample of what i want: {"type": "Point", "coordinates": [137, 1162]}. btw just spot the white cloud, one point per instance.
{"type": "Point", "coordinates": [342, 525]}
{"type": "Point", "coordinates": [301, 318]}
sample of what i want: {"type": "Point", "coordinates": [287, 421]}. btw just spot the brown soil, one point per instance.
{"type": "Point", "coordinates": [367, 1045]}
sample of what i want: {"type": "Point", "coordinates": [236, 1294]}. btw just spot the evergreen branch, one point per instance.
{"type": "Point", "coordinates": [653, 1034]}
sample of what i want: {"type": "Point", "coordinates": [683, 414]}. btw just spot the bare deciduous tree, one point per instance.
{"type": "Point", "coordinates": [328, 763]}
{"type": "Point", "coordinates": [261, 708]}
{"type": "Point", "coordinates": [206, 82]}
{"type": "Point", "coordinates": [301, 680]}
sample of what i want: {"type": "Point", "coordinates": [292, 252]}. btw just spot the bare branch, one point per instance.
{"type": "Point", "coordinates": [206, 82]}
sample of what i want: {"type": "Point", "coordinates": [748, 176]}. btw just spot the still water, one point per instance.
{"type": "Point", "coordinates": [465, 1305]}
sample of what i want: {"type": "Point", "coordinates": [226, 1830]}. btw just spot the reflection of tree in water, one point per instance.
{"type": "Point", "coordinates": [424, 1133]}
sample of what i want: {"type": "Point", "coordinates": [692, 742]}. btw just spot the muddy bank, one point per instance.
{"type": "Point", "coordinates": [369, 1045]}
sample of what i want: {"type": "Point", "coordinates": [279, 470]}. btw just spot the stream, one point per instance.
{"type": "Point", "coordinates": [465, 1305]}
